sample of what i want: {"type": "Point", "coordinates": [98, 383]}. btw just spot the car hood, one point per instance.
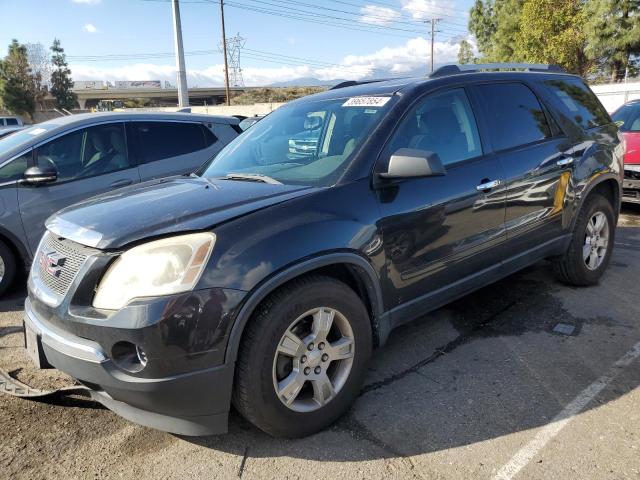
{"type": "Point", "coordinates": [162, 207]}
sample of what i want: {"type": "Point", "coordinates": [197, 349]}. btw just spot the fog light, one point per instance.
{"type": "Point", "coordinates": [128, 356]}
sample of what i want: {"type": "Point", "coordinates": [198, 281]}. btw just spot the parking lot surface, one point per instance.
{"type": "Point", "coordinates": [526, 378]}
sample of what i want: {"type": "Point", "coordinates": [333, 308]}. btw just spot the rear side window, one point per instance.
{"type": "Point", "coordinates": [629, 115]}
{"type": "Point", "coordinates": [514, 114]}
{"type": "Point", "coordinates": [160, 140]}
{"type": "Point", "coordinates": [12, 121]}
{"type": "Point", "coordinates": [578, 102]}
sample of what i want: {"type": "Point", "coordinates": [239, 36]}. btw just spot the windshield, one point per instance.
{"type": "Point", "coordinates": [308, 143]}
{"type": "Point", "coordinates": [22, 136]}
{"type": "Point", "coordinates": [630, 116]}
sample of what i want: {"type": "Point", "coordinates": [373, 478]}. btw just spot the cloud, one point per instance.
{"type": "Point", "coordinates": [89, 28]}
{"type": "Point", "coordinates": [410, 58]}
{"type": "Point", "coordinates": [378, 15]}
{"type": "Point", "coordinates": [87, 2]}
{"type": "Point", "coordinates": [426, 9]}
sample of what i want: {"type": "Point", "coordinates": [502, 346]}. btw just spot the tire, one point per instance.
{"type": "Point", "coordinates": [573, 268]}
{"type": "Point", "coordinates": [268, 360]}
{"type": "Point", "coordinates": [7, 267]}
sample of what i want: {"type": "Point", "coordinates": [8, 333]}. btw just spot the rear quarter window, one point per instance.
{"type": "Point", "coordinates": [578, 102]}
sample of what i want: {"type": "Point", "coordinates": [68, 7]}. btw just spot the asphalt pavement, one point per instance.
{"type": "Point", "coordinates": [526, 378]}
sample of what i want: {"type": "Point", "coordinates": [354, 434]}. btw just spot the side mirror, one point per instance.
{"type": "Point", "coordinates": [40, 175]}
{"type": "Point", "coordinates": [411, 163]}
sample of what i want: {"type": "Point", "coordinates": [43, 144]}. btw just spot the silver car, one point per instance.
{"type": "Point", "coordinates": [57, 163]}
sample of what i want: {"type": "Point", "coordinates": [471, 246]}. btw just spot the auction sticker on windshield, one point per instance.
{"type": "Point", "coordinates": [366, 101]}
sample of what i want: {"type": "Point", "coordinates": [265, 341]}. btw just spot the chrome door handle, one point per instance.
{"type": "Point", "coordinates": [565, 161]}
{"type": "Point", "coordinates": [488, 185]}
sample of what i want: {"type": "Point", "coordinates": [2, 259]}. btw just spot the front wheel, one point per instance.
{"type": "Point", "coordinates": [589, 252]}
{"type": "Point", "coordinates": [303, 357]}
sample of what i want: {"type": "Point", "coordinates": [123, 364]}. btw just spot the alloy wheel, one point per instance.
{"type": "Point", "coordinates": [313, 359]}
{"type": "Point", "coordinates": [596, 241]}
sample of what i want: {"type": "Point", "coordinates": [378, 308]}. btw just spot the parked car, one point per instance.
{"type": "Point", "coordinates": [10, 121]}
{"type": "Point", "coordinates": [60, 162]}
{"type": "Point", "coordinates": [266, 281]}
{"type": "Point", "coordinates": [628, 116]}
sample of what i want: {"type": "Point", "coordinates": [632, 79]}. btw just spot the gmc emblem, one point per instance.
{"type": "Point", "coordinates": [52, 263]}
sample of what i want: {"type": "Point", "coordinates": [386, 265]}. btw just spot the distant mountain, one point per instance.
{"type": "Point", "coordinates": [306, 82]}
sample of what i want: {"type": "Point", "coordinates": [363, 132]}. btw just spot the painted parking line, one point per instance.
{"type": "Point", "coordinates": [547, 433]}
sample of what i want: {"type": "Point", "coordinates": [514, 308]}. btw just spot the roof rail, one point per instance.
{"type": "Point", "coordinates": [484, 67]}
{"type": "Point", "coordinates": [352, 83]}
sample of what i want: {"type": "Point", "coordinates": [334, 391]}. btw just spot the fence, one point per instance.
{"type": "Point", "coordinates": [614, 95]}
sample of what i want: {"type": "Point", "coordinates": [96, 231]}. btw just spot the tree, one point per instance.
{"type": "Point", "coordinates": [495, 24]}
{"type": "Point", "coordinates": [465, 54]}
{"type": "Point", "coordinates": [61, 82]}
{"type": "Point", "coordinates": [552, 32]}
{"type": "Point", "coordinates": [18, 86]}
{"type": "Point", "coordinates": [613, 35]}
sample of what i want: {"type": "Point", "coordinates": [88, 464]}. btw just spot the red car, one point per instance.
{"type": "Point", "coordinates": [629, 116]}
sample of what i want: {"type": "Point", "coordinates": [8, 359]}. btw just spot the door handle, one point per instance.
{"type": "Point", "coordinates": [121, 183]}
{"type": "Point", "coordinates": [565, 161]}
{"type": "Point", "coordinates": [488, 185]}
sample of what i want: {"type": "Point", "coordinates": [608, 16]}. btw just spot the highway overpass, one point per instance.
{"type": "Point", "coordinates": [166, 97]}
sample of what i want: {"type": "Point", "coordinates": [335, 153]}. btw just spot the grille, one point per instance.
{"type": "Point", "coordinates": [631, 175]}
{"type": "Point", "coordinates": [630, 193]}
{"type": "Point", "coordinates": [67, 257]}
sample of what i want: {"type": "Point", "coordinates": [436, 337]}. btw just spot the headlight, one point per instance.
{"type": "Point", "coordinates": [161, 267]}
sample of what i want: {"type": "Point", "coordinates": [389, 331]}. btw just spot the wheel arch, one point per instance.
{"type": "Point", "coordinates": [607, 185]}
{"type": "Point", "coordinates": [350, 268]}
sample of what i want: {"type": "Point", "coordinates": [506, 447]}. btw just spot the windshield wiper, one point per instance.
{"type": "Point", "coordinates": [252, 177]}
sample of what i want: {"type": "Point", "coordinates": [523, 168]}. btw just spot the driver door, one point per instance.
{"type": "Point", "coordinates": [89, 161]}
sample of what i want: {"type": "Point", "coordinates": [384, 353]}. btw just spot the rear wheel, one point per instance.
{"type": "Point", "coordinates": [303, 357]}
{"type": "Point", "coordinates": [7, 267]}
{"type": "Point", "coordinates": [589, 252]}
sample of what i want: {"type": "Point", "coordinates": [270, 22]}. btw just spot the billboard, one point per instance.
{"type": "Point", "coordinates": [90, 84]}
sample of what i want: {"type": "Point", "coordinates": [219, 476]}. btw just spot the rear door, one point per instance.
{"type": "Point", "coordinates": [535, 156]}
{"type": "Point", "coordinates": [89, 161]}
{"type": "Point", "coordinates": [172, 148]}
{"type": "Point", "coordinates": [441, 230]}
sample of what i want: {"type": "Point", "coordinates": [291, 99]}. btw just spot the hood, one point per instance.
{"type": "Point", "coordinates": [163, 207]}
{"type": "Point", "coordinates": [632, 155]}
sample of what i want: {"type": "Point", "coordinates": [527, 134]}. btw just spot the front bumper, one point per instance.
{"type": "Point", "coordinates": [194, 402]}
{"type": "Point", "coordinates": [631, 191]}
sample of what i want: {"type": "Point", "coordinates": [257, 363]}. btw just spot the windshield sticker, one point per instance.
{"type": "Point", "coordinates": [36, 131]}
{"type": "Point", "coordinates": [366, 102]}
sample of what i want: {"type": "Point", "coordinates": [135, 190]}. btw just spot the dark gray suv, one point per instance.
{"type": "Point", "coordinates": [64, 161]}
{"type": "Point", "coordinates": [267, 278]}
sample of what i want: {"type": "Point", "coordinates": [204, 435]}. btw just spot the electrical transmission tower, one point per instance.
{"type": "Point", "coordinates": [234, 49]}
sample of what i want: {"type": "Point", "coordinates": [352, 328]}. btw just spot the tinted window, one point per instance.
{"type": "Point", "coordinates": [87, 152]}
{"type": "Point", "coordinates": [442, 123]}
{"type": "Point", "coordinates": [159, 140]}
{"type": "Point", "coordinates": [514, 114]}
{"type": "Point", "coordinates": [579, 102]}
{"type": "Point", "coordinates": [12, 121]}
{"type": "Point", "coordinates": [14, 170]}
{"type": "Point", "coordinates": [630, 116]}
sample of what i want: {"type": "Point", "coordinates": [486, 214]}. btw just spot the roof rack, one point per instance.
{"type": "Point", "coordinates": [353, 83]}
{"type": "Point", "coordinates": [486, 67]}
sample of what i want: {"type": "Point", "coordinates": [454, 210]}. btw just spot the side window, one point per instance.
{"type": "Point", "coordinates": [514, 114]}
{"type": "Point", "coordinates": [160, 140]}
{"type": "Point", "coordinates": [209, 137]}
{"type": "Point", "coordinates": [14, 170]}
{"type": "Point", "coordinates": [578, 102]}
{"type": "Point", "coordinates": [12, 121]}
{"type": "Point", "coordinates": [442, 123]}
{"type": "Point", "coordinates": [86, 153]}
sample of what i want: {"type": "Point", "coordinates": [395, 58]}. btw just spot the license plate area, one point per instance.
{"type": "Point", "coordinates": [33, 347]}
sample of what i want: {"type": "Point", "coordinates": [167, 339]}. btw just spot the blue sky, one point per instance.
{"type": "Point", "coordinates": [381, 37]}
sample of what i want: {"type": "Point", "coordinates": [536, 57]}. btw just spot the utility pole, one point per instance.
{"type": "Point", "coordinates": [433, 22]}
{"type": "Point", "coordinates": [183, 93]}
{"type": "Point", "coordinates": [224, 52]}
